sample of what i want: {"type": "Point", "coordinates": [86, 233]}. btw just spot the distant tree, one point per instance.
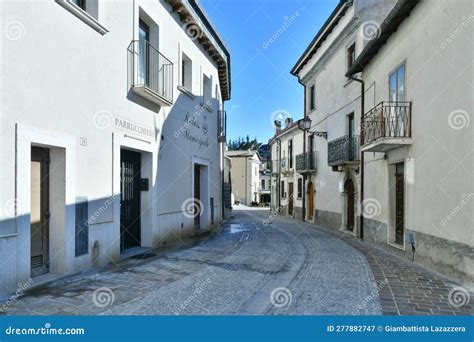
{"type": "Point", "coordinates": [243, 144]}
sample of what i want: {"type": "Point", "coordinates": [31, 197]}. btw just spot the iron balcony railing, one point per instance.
{"type": "Point", "coordinates": [306, 162]}
{"type": "Point", "coordinates": [278, 166]}
{"type": "Point", "coordinates": [222, 126]}
{"type": "Point", "coordinates": [150, 69]}
{"type": "Point", "coordinates": [343, 150]}
{"type": "Point", "coordinates": [386, 120]}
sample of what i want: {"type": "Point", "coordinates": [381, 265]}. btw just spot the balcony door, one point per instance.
{"type": "Point", "coordinates": [143, 53]}
{"type": "Point", "coordinates": [395, 124]}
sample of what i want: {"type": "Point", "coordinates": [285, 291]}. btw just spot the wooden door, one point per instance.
{"type": "Point", "coordinates": [290, 198]}
{"type": "Point", "coordinates": [197, 196]}
{"type": "Point", "coordinates": [399, 204]}
{"type": "Point", "coordinates": [39, 213]}
{"type": "Point", "coordinates": [350, 197]}
{"type": "Point", "coordinates": [310, 200]}
{"type": "Point", "coordinates": [130, 199]}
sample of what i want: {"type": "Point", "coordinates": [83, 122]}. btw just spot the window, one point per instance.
{"type": "Point", "coordinates": [300, 187]}
{"type": "Point", "coordinates": [80, 3]}
{"type": "Point", "coordinates": [263, 184]}
{"type": "Point", "coordinates": [351, 56]}
{"type": "Point", "coordinates": [186, 72]}
{"type": "Point", "coordinates": [87, 11]}
{"type": "Point", "coordinates": [350, 125]}
{"type": "Point", "coordinates": [312, 97]}
{"type": "Point", "coordinates": [282, 190]}
{"type": "Point", "coordinates": [144, 49]}
{"type": "Point", "coordinates": [290, 154]}
{"type": "Point", "coordinates": [206, 90]}
{"type": "Point", "coordinates": [396, 84]}
{"type": "Point", "coordinates": [311, 143]}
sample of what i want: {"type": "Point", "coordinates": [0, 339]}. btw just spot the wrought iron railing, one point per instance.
{"type": "Point", "coordinates": [386, 120]}
{"type": "Point", "coordinates": [279, 165]}
{"type": "Point", "coordinates": [149, 68]}
{"type": "Point", "coordinates": [306, 162]}
{"type": "Point", "coordinates": [343, 150]}
{"type": "Point", "coordinates": [222, 125]}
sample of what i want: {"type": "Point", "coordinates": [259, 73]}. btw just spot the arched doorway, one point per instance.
{"type": "Point", "coordinates": [310, 200]}
{"type": "Point", "coordinates": [350, 205]}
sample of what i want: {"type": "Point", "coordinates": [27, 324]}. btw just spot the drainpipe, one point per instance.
{"type": "Point", "coordinates": [362, 110]}
{"type": "Point", "coordinates": [279, 173]}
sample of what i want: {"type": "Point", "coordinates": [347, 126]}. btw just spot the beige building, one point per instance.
{"type": "Point", "coordinates": [245, 176]}
{"type": "Point", "coordinates": [393, 165]}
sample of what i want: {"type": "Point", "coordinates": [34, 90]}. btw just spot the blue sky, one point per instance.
{"type": "Point", "coordinates": [261, 80]}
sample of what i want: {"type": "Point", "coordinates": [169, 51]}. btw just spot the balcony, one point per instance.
{"type": "Point", "coordinates": [387, 126]}
{"type": "Point", "coordinates": [150, 74]}
{"type": "Point", "coordinates": [306, 163]}
{"type": "Point", "coordinates": [343, 150]}
{"type": "Point", "coordinates": [280, 166]}
{"type": "Point", "coordinates": [222, 126]}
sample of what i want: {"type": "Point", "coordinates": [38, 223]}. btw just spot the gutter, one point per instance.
{"type": "Point", "coordinates": [362, 111]}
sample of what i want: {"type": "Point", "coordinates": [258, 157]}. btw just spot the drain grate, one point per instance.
{"type": "Point", "coordinates": [143, 256]}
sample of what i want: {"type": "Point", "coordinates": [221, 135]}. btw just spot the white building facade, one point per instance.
{"type": "Point", "coordinates": [391, 141]}
{"type": "Point", "coordinates": [112, 131]}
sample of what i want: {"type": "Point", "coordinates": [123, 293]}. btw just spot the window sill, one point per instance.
{"type": "Point", "coordinates": [186, 92]}
{"type": "Point", "coordinates": [207, 107]}
{"type": "Point", "coordinates": [83, 15]}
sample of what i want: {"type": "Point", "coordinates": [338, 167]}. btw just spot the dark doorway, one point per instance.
{"type": "Point", "coordinates": [39, 214]}
{"type": "Point", "coordinates": [350, 197]}
{"type": "Point", "coordinates": [290, 198]}
{"type": "Point", "coordinates": [399, 204]}
{"type": "Point", "coordinates": [310, 200]}
{"type": "Point", "coordinates": [197, 196]}
{"type": "Point", "coordinates": [130, 163]}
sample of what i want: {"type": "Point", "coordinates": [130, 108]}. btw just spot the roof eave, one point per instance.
{"type": "Point", "coordinates": [388, 27]}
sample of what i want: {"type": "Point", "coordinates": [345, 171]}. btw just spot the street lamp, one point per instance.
{"type": "Point", "coordinates": [305, 125]}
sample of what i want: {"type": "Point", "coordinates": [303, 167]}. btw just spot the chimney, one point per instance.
{"type": "Point", "coordinates": [277, 127]}
{"type": "Point", "coordinates": [288, 122]}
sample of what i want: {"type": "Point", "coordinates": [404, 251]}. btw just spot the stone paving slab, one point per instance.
{"type": "Point", "coordinates": [257, 264]}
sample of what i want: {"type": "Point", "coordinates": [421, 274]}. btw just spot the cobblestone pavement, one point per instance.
{"type": "Point", "coordinates": [257, 264]}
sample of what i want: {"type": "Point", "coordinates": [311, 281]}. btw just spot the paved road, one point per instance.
{"type": "Point", "coordinates": [257, 264]}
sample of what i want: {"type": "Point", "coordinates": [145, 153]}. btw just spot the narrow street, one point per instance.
{"type": "Point", "coordinates": [257, 264]}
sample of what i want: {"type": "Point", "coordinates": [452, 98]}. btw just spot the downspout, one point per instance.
{"type": "Point", "coordinates": [362, 105]}
{"type": "Point", "coordinates": [303, 215]}
{"type": "Point", "coordinates": [279, 173]}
